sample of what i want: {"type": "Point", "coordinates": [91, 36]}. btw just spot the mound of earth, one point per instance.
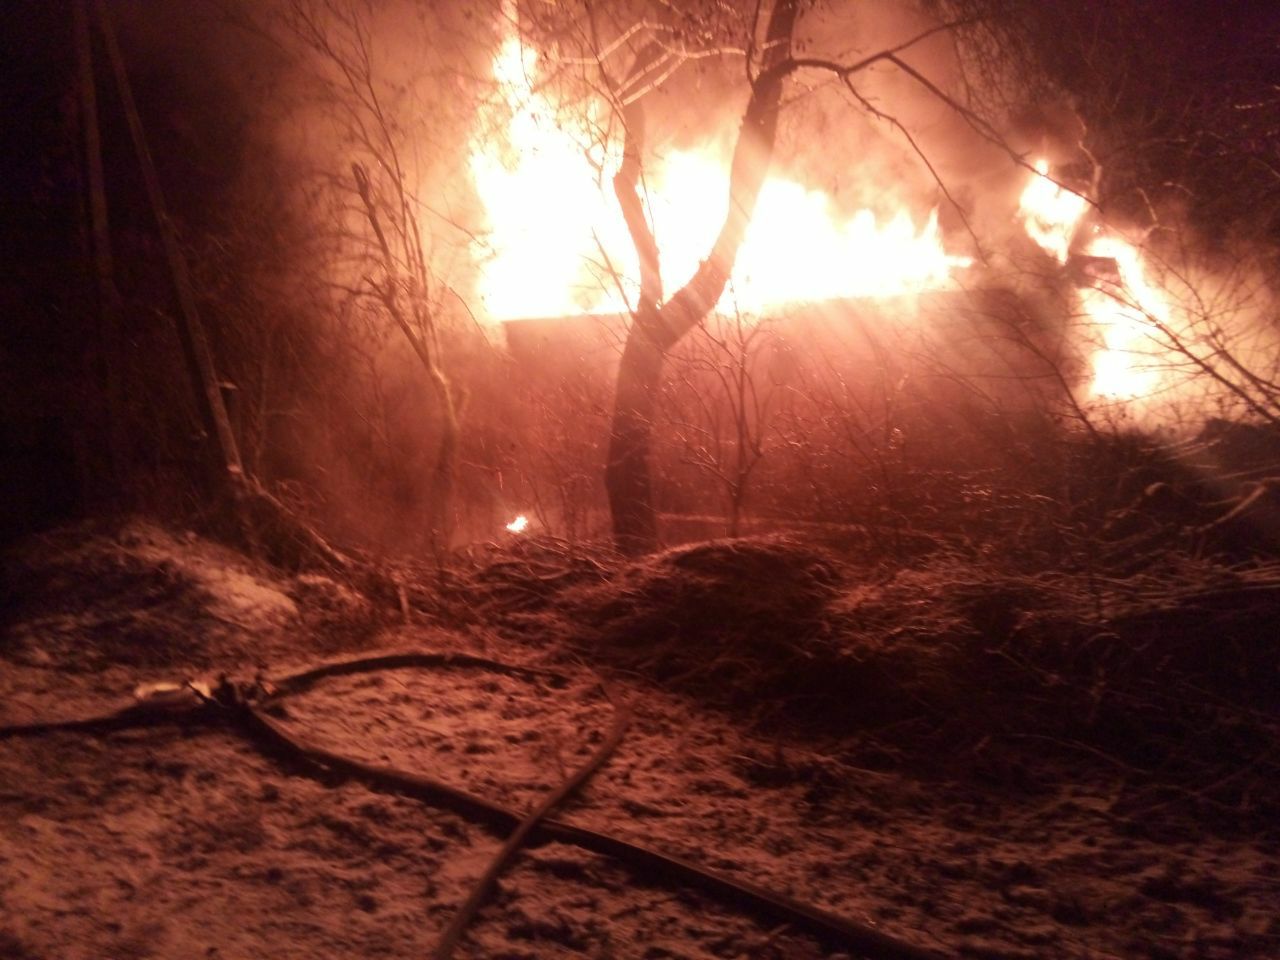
{"type": "Point", "coordinates": [137, 595]}
{"type": "Point", "coordinates": [1138, 667]}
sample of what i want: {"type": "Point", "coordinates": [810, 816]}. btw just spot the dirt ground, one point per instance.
{"type": "Point", "coordinates": [178, 840]}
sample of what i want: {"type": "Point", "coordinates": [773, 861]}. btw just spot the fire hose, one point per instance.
{"type": "Point", "coordinates": [248, 707]}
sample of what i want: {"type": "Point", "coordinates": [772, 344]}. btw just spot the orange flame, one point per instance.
{"type": "Point", "coordinates": [1052, 213]}
{"type": "Point", "coordinates": [557, 244]}
{"type": "Point", "coordinates": [1125, 319]}
{"type": "Point", "coordinates": [1125, 314]}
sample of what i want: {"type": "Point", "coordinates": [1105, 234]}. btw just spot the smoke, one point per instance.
{"type": "Point", "coordinates": [886, 137]}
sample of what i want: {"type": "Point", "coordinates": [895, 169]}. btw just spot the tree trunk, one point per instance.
{"type": "Point", "coordinates": [654, 330]}
{"type": "Point", "coordinates": [444, 476]}
{"type": "Point", "coordinates": [108, 351]}
{"type": "Point", "coordinates": [224, 473]}
{"type": "Point", "coordinates": [626, 476]}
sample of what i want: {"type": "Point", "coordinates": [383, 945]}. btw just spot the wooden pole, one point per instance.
{"type": "Point", "coordinates": [103, 260]}
{"type": "Point", "coordinates": [250, 503]}
{"type": "Point", "coordinates": [195, 344]}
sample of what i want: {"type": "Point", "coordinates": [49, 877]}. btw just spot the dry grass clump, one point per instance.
{"type": "Point", "coordinates": [512, 584]}
{"type": "Point", "coordinates": [1165, 661]}
{"type": "Point", "coordinates": [720, 589]}
{"type": "Point", "coordinates": [334, 615]}
{"type": "Point", "coordinates": [793, 632]}
{"type": "Point", "coordinates": [1174, 668]}
{"type": "Point", "coordinates": [734, 619]}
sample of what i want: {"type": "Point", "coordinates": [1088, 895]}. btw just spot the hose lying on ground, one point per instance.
{"type": "Point", "coordinates": [247, 706]}
{"type": "Point", "coordinates": [484, 886]}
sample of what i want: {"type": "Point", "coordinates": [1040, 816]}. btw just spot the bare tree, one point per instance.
{"type": "Point", "coordinates": [722, 413]}
{"type": "Point", "coordinates": [394, 266]}
{"type": "Point", "coordinates": [656, 325]}
{"type": "Point", "coordinates": [659, 40]}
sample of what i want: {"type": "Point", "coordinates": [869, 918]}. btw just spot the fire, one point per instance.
{"type": "Point", "coordinates": [1126, 311]}
{"type": "Point", "coordinates": [1127, 317]}
{"type": "Point", "coordinates": [557, 244]}
{"type": "Point", "coordinates": [1052, 213]}
{"type": "Point", "coordinates": [796, 249]}
{"type": "Point", "coordinates": [519, 525]}
{"type": "Point", "coordinates": [542, 190]}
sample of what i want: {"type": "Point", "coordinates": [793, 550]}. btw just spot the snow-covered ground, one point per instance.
{"type": "Point", "coordinates": [183, 841]}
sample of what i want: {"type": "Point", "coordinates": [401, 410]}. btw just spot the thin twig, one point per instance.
{"type": "Point", "coordinates": [452, 935]}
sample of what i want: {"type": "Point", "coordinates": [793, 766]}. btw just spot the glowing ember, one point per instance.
{"type": "Point", "coordinates": [519, 524]}
{"type": "Point", "coordinates": [556, 231]}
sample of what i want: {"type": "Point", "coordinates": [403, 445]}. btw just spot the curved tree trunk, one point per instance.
{"type": "Point", "coordinates": [656, 329]}
{"type": "Point", "coordinates": [626, 475]}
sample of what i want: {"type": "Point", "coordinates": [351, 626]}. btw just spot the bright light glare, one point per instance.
{"type": "Point", "coordinates": [1122, 316]}
{"type": "Point", "coordinates": [555, 231]}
